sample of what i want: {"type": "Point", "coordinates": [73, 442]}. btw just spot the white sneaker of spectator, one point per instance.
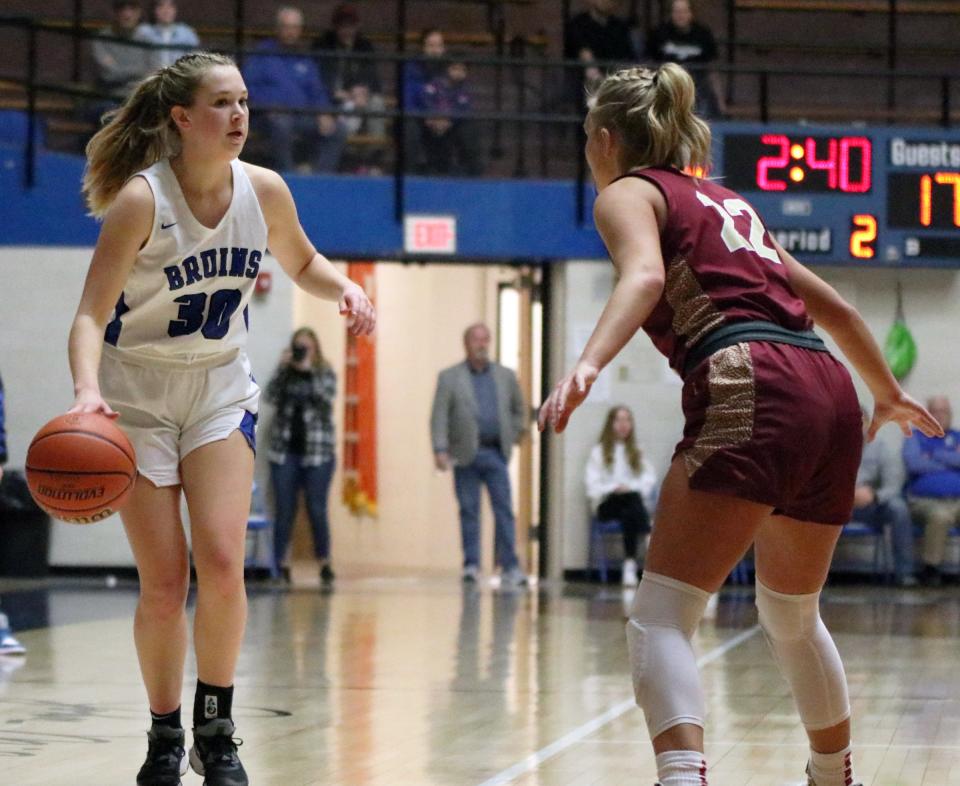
{"type": "Point", "coordinates": [514, 577]}
{"type": "Point", "coordinates": [8, 644]}
{"type": "Point", "coordinates": [629, 578]}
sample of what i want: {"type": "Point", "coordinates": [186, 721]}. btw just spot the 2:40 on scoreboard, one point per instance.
{"type": "Point", "coordinates": [877, 196]}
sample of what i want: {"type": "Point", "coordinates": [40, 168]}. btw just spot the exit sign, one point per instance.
{"type": "Point", "coordinates": [430, 234]}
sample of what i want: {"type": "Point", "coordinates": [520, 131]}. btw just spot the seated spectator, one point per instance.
{"type": "Point", "coordinates": [878, 501]}
{"type": "Point", "coordinates": [281, 75]}
{"type": "Point", "coordinates": [417, 73]}
{"type": "Point", "coordinates": [595, 34]}
{"type": "Point", "coordinates": [433, 69]}
{"type": "Point", "coordinates": [359, 157]}
{"type": "Point", "coordinates": [620, 484]}
{"type": "Point", "coordinates": [682, 40]}
{"type": "Point", "coordinates": [345, 77]}
{"type": "Point", "coordinates": [119, 65]}
{"type": "Point", "coordinates": [450, 139]}
{"type": "Point", "coordinates": [166, 32]}
{"type": "Point", "coordinates": [606, 36]}
{"type": "Point", "coordinates": [592, 77]}
{"type": "Point", "coordinates": [933, 486]}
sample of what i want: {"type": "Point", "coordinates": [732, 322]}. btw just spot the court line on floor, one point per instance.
{"type": "Point", "coordinates": [805, 745]}
{"type": "Point", "coordinates": [534, 760]}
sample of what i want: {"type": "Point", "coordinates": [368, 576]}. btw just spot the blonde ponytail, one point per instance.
{"type": "Point", "coordinates": [652, 113]}
{"type": "Point", "coordinates": [141, 131]}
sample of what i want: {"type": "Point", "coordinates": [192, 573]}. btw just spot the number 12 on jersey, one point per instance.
{"type": "Point", "coordinates": [731, 235]}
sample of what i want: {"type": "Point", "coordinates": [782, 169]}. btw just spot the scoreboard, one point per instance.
{"type": "Point", "coordinates": [885, 197]}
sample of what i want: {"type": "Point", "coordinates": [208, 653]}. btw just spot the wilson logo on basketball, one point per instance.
{"type": "Point", "coordinates": [71, 495]}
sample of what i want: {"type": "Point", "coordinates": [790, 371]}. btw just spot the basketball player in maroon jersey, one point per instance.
{"type": "Point", "coordinates": [772, 437]}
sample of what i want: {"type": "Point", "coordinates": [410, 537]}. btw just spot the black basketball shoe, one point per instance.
{"type": "Point", "coordinates": [166, 758]}
{"type": "Point", "coordinates": [214, 754]}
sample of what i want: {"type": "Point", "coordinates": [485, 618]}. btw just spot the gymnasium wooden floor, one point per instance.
{"type": "Point", "coordinates": [410, 681]}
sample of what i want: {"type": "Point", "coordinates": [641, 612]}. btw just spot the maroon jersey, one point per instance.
{"type": "Point", "coordinates": [721, 266]}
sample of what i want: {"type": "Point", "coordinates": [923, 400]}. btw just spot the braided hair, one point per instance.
{"type": "Point", "coordinates": [651, 111]}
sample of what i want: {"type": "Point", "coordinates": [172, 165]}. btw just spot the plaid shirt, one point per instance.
{"type": "Point", "coordinates": [315, 395]}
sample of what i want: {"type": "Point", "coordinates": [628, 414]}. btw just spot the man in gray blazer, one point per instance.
{"type": "Point", "coordinates": [478, 416]}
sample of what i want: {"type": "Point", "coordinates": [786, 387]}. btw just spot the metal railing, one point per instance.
{"type": "Point", "coordinates": [541, 96]}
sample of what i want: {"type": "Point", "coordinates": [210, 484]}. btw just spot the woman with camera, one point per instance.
{"type": "Point", "coordinates": [302, 446]}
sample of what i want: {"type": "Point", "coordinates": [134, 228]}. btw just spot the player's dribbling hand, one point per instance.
{"type": "Point", "coordinates": [89, 401]}
{"type": "Point", "coordinates": [906, 413]}
{"type": "Point", "coordinates": [361, 316]}
{"type": "Point", "coordinates": [569, 393]}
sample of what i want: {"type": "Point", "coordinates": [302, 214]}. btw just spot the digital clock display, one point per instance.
{"type": "Point", "coordinates": [871, 197]}
{"type": "Point", "coordinates": [923, 200]}
{"type": "Point", "coordinates": [798, 164]}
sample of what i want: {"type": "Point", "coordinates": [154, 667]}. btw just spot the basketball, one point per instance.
{"type": "Point", "coordinates": [80, 468]}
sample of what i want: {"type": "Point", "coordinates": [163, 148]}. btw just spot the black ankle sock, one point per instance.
{"type": "Point", "coordinates": [210, 702]}
{"type": "Point", "coordinates": [171, 719]}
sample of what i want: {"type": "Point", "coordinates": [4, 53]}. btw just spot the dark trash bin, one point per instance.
{"type": "Point", "coordinates": [24, 529]}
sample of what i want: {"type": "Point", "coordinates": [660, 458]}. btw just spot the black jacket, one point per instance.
{"type": "Point", "coordinates": [607, 42]}
{"type": "Point", "coordinates": [339, 72]}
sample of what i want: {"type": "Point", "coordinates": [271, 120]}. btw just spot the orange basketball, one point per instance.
{"type": "Point", "coordinates": [81, 467]}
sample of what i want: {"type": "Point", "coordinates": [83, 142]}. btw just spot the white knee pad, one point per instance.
{"type": "Point", "coordinates": [806, 655]}
{"type": "Point", "coordinates": [665, 678]}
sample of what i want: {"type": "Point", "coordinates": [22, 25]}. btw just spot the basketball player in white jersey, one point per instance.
{"type": "Point", "coordinates": [159, 340]}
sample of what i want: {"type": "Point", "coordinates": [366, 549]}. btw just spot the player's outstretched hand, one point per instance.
{"type": "Point", "coordinates": [906, 413]}
{"type": "Point", "coordinates": [569, 393]}
{"type": "Point", "coordinates": [361, 316]}
{"type": "Point", "coordinates": [88, 401]}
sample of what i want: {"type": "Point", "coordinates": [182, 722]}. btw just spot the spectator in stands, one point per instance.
{"type": "Point", "coordinates": [364, 152]}
{"type": "Point", "coordinates": [607, 37]}
{"type": "Point", "coordinates": [450, 139]}
{"type": "Point", "coordinates": [620, 483]}
{"type": "Point", "coordinates": [592, 77]}
{"type": "Point", "coordinates": [282, 75]}
{"type": "Point", "coordinates": [878, 501]}
{"type": "Point", "coordinates": [933, 486]}
{"type": "Point", "coordinates": [118, 64]}
{"type": "Point", "coordinates": [417, 74]}
{"type": "Point", "coordinates": [166, 32]}
{"type": "Point", "coordinates": [342, 75]}
{"type": "Point", "coordinates": [594, 34]}
{"type": "Point", "coordinates": [683, 40]}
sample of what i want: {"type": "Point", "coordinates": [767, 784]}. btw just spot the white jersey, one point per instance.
{"type": "Point", "coordinates": [185, 300]}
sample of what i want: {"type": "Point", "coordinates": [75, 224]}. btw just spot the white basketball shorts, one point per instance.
{"type": "Point", "coordinates": [170, 410]}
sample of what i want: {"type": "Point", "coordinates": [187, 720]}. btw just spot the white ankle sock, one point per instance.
{"type": "Point", "coordinates": [832, 769]}
{"type": "Point", "coordinates": [681, 768]}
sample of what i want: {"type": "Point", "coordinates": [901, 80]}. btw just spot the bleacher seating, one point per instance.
{"type": "Point", "coordinates": [774, 34]}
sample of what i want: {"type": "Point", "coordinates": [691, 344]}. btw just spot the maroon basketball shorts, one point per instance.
{"type": "Point", "coordinates": [775, 424]}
